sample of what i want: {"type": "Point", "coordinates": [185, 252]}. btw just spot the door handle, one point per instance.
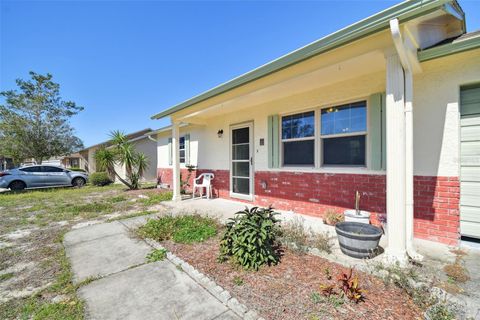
{"type": "Point", "coordinates": [251, 161]}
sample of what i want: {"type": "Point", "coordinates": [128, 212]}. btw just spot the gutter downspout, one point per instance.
{"type": "Point", "coordinates": [152, 139]}
{"type": "Point", "coordinates": [407, 69]}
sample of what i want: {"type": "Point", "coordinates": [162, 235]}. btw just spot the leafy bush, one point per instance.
{"type": "Point", "coordinates": [250, 238]}
{"type": "Point", "coordinates": [77, 169]}
{"type": "Point", "coordinates": [181, 229]}
{"type": "Point", "coordinates": [156, 255]}
{"type": "Point", "coordinates": [100, 179]}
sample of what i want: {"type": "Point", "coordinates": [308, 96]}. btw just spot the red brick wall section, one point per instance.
{"type": "Point", "coordinates": [315, 193]}
{"type": "Point", "coordinates": [436, 199]}
{"type": "Point", "coordinates": [437, 212]}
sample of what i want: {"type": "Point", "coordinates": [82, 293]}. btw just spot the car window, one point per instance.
{"type": "Point", "coordinates": [31, 169]}
{"type": "Point", "coordinates": [52, 169]}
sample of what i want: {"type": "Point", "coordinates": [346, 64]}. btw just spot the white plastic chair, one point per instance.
{"type": "Point", "coordinates": [206, 182]}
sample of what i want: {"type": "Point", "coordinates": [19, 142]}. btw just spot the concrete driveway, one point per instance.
{"type": "Point", "coordinates": [125, 286]}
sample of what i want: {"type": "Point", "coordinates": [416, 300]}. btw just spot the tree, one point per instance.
{"type": "Point", "coordinates": [122, 152]}
{"type": "Point", "coordinates": [34, 122]}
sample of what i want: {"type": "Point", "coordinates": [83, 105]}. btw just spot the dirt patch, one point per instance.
{"type": "Point", "coordinates": [292, 289]}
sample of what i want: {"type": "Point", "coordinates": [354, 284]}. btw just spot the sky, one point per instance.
{"type": "Point", "coordinates": [124, 61]}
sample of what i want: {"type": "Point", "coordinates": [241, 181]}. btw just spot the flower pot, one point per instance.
{"type": "Point", "coordinates": [354, 216]}
{"type": "Point", "coordinates": [358, 240]}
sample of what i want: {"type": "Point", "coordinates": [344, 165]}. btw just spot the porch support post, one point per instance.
{"type": "Point", "coordinates": [395, 119]}
{"type": "Point", "coordinates": [407, 53]}
{"type": "Point", "coordinates": [176, 162]}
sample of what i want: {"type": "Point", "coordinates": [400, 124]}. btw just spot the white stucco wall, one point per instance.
{"type": "Point", "coordinates": [436, 112]}
{"type": "Point", "coordinates": [149, 148]}
{"type": "Point", "coordinates": [436, 116]}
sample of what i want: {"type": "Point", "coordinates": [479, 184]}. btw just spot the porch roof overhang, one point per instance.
{"type": "Point", "coordinates": [466, 42]}
{"type": "Point", "coordinates": [405, 11]}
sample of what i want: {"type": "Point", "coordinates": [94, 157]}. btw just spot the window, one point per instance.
{"type": "Point", "coordinates": [32, 169]}
{"type": "Point", "coordinates": [298, 139]}
{"type": "Point", "coordinates": [343, 134]}
{"type": "Point", "coordinates": [74, 162]}
{"type": "Point", "coordinates": [182, 149]}
{"type": "Point", "coordinates": [52, 169]}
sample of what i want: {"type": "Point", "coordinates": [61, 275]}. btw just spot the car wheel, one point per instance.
{"type": "Point", "coordinates": [78, 182]}
{"type": "Point", "coordinates": [17, 185]}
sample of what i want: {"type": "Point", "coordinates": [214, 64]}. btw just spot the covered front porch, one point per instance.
{"type": "Point", "coordinates": [376, 74]}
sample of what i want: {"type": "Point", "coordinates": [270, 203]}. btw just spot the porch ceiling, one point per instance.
{"type": "Point", "coordinates": [367, 63]}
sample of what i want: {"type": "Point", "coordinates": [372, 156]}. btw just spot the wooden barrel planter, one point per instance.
{"type": "Point", "coordinates": [358, 240]}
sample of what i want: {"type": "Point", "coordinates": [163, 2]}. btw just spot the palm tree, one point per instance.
{"type": "Point", "coordinates": [122, 152]}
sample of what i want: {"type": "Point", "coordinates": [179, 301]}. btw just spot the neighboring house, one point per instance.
{"type": "Point", "coordinates": [74, 160]}
{"type": "Point", "coordinates": [141, 142]}
{"type": "Point", "coordinates": [389, 106]}
{"type": "Point", "coordinates": [6, 163]}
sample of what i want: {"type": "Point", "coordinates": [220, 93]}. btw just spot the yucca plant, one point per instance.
{"type": "Point", "coordinates": [250, 238]}
{"type": "Point", "coordinates": [122, 152]}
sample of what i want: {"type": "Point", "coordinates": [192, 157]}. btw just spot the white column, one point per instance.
{"type": "Point", "coordinates": [176, 162]}
{"type": "Point", "coordinates": [395, 123]}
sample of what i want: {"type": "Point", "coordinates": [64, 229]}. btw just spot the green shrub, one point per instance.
{"type": "Point", "coordinates": [251, 238]}
{"type": "Point", "coordinates": [77, 169]}
{"type": "Point", "coordinates": [100, 179]}
{"type": "Point", "coordinates": [181, 229]}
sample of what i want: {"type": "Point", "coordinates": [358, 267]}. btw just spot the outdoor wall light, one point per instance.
{"type": "Point", "coordinates": [263, 184]}
{"type": "Point", "coordinates": [220, 133]}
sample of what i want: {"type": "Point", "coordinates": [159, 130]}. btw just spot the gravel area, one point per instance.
{"type": "Point", "coordinates": [287, 290]}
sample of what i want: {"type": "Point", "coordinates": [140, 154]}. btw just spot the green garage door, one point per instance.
{"type": "Point", "coordinates": [470, 161]}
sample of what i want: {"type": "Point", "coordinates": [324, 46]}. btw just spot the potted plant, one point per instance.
{"type": "Point", "coordinates": [358, 240]}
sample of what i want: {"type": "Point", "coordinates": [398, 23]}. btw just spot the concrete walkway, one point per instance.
{"type": "Point", "coordinates": [124, 286]}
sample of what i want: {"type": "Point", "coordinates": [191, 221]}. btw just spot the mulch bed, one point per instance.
{"type": "Point", "coordinates": [284, 291]}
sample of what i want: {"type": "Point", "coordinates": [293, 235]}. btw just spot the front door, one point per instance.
{"type": "Point", "coordinates": [241, 179]}
{"type": "Point", "coordinates": [470, 161]}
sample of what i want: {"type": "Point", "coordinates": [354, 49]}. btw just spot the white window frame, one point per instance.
{"type": "Point", "coordinates": [314, 138]}
{"type": "Point", "coordinates": [318, 147]}
{"type": "Point", "coordinates": [184, 150]}
{"type": "Point", "coordinates": [342, 135]}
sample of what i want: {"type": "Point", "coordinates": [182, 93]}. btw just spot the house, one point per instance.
{"type": "Point", "coordinates": [388, 106]}
{"type": "Point", "coordinates": [141, 141]}
{"type": "Point", "coordinates": [74, 160]}
{"type": "Point", "coordinates": [6, 163]}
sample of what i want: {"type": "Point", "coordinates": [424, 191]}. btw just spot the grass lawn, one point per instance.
{"type": "Point", "coordinates": [35, 275]}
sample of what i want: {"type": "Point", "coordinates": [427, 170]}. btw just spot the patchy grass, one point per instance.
{"type": "Point", "coordinates": [440, 312]}
{"type": "Point", "coordinates": [298, 238]}
{"type": "Point", "coordinates": [154, 198]}
{"type": "Point", "coordinates": [6, 276]}
{"type": "Point", "coordinates": [238, 281]}
{"type": "Point", "coordinates": [39, 306]}
{"type": "Point", "coordinates": [456, 272]}
{"type": "Point", "coordinates": [156, 255]}
{"type": "Point", "coordinates": [132, 215]}
{"type": "Point", "coordinates": [181, 229]}
{"type": "Point", "coordinates": [33, 223]}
